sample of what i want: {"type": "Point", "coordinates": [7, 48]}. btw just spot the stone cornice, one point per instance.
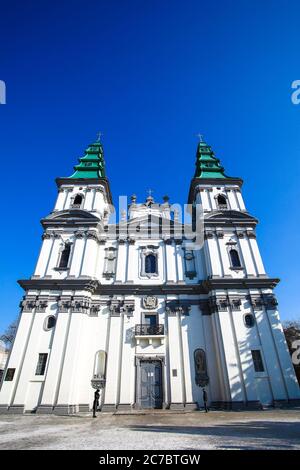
{"type": "Point", "coordinates": [229, 218]}
{"type": "Point", "coordinates": [95, 287]}
{"type": "Point", "coordinates": [71, 218]}
{"type": "Point", "coordinates": [109, 289]}
{"type": "Point", "coordinates": [244, 283]}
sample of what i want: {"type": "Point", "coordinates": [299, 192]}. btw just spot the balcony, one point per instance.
{"type": "Point", "coordinates": [149, 334]}
{"type": "Point", "coordinates": [149, 330]}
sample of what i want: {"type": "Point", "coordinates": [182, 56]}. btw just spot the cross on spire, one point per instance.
{"type": "Point", "coordinates": [99, 134]}
{"type": "Point", "coordinates": [150, 191]}
{"type": "Point", "coordinates": [200, 136]}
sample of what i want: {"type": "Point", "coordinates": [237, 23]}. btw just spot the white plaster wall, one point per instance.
{"type": "Point", "coordinates": [16, 357]}
{"type": "Point", "coordinates": [257, 257]}
{"type": "Point", "coordinates": [247, 256]}
{"type": "Point", "coordinates": [213, 252]}
{"type": "Point", "coordinates": [39, 342]}
{"type": "Point", "coordinates": [215, 385]}
{"type": "Point", "coordinates": [284, 357]}
{"type": "Point", "coordinates": [232, 362]}
{"type": "Point", "coordinates": [69, 378]}
{"type": "Point", "coordinates": [60, 201]}
{"type": "Point", "coordinates": [247, 340]}
{"type": "Point", "coordinates": [176, 383]}
{"type": "Point", "coordinates": [192, 338]}
{"type": "Point", "coordinates": [112, 371]}
{"type": "Point", "coordinates": [76, 261]}
{"type": "Point", "coordinates": [127, 376]}
{"type": "Point", "coordinates": [56, 359]}
{"type": "Point", "coordinates": [171, 263]}
{"type": "Point", "coordinates": [240, 200]}
{"type": "Point", "coordinates": [43, 258]}
{"type": "Point", "coordinates": [90, 258]}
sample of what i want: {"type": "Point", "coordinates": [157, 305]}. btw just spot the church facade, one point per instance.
{"type": "Point", "coordinates": [149, 310]}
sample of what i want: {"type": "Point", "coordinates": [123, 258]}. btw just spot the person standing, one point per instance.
{"type": "Point", "coordinates": [96, 402]}
{"type": "Point", "coordinates": [204, 395]}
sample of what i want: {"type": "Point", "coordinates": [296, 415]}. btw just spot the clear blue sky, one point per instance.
{"type": "Point", "coordinates": [150, 75]}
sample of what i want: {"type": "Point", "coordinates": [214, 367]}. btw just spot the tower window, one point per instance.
{"type": "Point", "coordinates": [77, 200]}
{"type": "Point", "coordinates": [221, 202]}
{"type": "Point", "coordinates": [50, 322]}
{"type": "Point", "coordinates": [65, 256]}
{"type": "Point", "coordinates": [41, 365]}
{"type": "Point", "coordinates": [234, 259]}
{"type": "Point", "coordinates": [257, 360]}
{"type": "Point", "coordinates": [150, 264]}
{"type": "Point", "coordinates": [9, 377]}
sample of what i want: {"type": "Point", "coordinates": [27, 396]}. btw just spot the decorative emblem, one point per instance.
{"type": "Point", "coordinates": [149, 301]}
{"type": "Point", "coordinates": [98, 382]}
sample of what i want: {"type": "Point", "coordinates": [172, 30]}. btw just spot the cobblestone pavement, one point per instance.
{"type": "Point", "coordinates": [272, 429]}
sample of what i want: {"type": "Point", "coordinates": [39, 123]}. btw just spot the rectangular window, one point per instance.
{"type": "Point", "coordinates": [41, 365]}
{"type": "Point", "coordinates": [10, 375]}
{"type": "Point", "coordinates": [150, 319]}
{"type": "Point", "coordinates": [257, 360]}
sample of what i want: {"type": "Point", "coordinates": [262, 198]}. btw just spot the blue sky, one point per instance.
{"type": "Point", "coordinates": [150, 75]}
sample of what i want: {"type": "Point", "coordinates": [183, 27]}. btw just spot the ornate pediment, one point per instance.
{"type": "Point", "coordinates": [72, 214]}
{"type": "Point", "coordinates": [229, 217]}
{"type": "Point", "coordinates": [70, 217]}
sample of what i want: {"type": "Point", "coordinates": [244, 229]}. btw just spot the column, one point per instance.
{"type": "Point", "coordinates": [90, 255]}
{"type": "Point", "coordinates": [77, 255]}
{"type": "Point", "coordinates": [121, 262]}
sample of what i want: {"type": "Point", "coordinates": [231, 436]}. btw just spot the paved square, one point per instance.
{"type": "Point", "coordinates": [274, 429]}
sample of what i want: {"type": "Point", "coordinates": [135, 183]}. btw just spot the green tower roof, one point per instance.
{"type": "Point", "coordinates": [207, 165]}
{"type": "Point", "coordinates": [92, 164]}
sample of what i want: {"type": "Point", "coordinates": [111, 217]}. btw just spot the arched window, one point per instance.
{"type": "Point", "coordinates": [50, 322]}
{"type": "Point", "coordinates": [249, 320]}
{"type": "Point", "coordinates": [222, 202]}
{"type": "Point", "coordinates": [201, 376]}
{"type": "Point", "coordinates": [65, 255]}
{"type": "Point", "coordinates": [234, 259]}
{"type": "Point", "coordinates": [100, 364]}
{"type": "Point", "coordinates": [150, 264]}
{"type": "Point", "coordinates": [77, 200]}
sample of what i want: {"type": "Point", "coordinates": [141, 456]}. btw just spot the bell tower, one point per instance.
{"type": "Point", "coordinates": [249, 339]}
{"type": "Point", "coordinates": [72, 230]}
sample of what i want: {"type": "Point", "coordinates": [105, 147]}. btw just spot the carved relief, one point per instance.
{"type": "Point", "coordinates": [149, 302]}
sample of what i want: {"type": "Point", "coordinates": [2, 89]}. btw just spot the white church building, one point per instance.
{"type": "Point", "coordinates": [144, 312]}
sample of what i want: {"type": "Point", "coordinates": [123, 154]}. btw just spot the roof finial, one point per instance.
{"type": "Point", "coordinates": [150, 191]}
{"type": "Point", "coordinates": [99, 134]}
{"type": "Point", "coordinates": [200, 136]}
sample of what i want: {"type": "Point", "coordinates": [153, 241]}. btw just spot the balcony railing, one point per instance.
{"type": "Point", "coordinates": [222, 207]}
{"type": "Point", "coordinates": [149, 330]}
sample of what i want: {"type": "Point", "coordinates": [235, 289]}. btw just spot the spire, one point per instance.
{"type": "Point", "coordinates": [92, 164]}
{"type": "Point", "coordinates": [207, 165]}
